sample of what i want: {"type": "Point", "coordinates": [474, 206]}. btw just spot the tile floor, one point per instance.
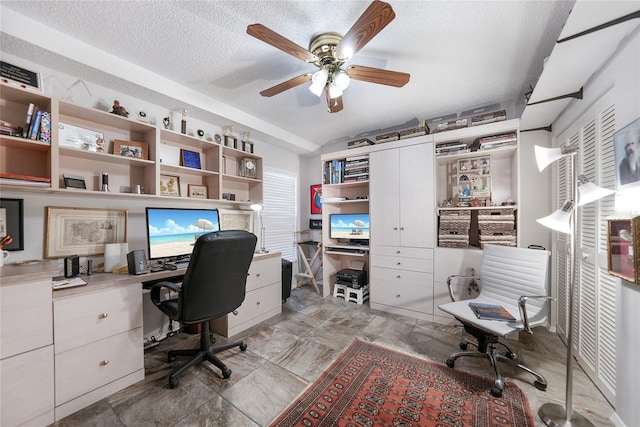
{"type": "Point", "coordinates": [291, 350]}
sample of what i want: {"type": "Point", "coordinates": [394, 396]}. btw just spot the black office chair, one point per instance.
{"type": "Point", "coordinates": [213, 286]}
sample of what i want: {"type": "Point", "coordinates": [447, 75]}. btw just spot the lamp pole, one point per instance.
{"type": "Point", "coordinates": [554, 414]}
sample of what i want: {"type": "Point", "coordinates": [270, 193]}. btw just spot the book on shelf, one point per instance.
{"type": "Point", "coordinates": [449, 153]}
{"type": "Point", "coordinates": [27, 121]}
{"type": "Point", "coordinates": [10, 129]}
{"type": "Point", "coordinates": [45, 127]}
{"type": "Point", "coordinates": [34, 129]}
{"type": "Point", "coordinates": [487, 311]}
{"type": "Point", "coordinates": [496, 116]}
{"type": "Point", "coordinates": [359, 143]}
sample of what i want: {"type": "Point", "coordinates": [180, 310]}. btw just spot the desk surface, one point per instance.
{"type": "Point", "coordinates": [12, 274]}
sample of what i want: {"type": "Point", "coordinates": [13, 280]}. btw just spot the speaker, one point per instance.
{"type": "Point", "coordinates": [137, 262]}
{"type": "Point", "coordinates": [71, 266]}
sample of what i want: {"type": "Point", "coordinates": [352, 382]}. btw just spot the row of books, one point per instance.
{"type": "Point", "coordinates": [497, 141]}
{"type": "Point", "coordinates": [27, 180]}
{"type": "Point", "coordinates": [351, 169]}
{"type": "Point", "coordinates": [37, 125]}
{"type": "Point", "coordinates": [448, 148]}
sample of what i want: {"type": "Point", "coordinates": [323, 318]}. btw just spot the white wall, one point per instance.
{"type": "Point", "coordinates": [621, 73]}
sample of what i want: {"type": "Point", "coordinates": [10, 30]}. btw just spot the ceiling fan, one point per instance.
{"type": "Point", "coordinates": [329, 52]}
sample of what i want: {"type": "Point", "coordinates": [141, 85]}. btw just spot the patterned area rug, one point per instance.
{"type": "Point", "coordinates": [370, 385]}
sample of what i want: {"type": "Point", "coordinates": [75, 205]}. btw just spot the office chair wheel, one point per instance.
{"type": "Point", "coordinates": [171, 358]}
{"type": "Point", "coordinates": [511, 355]}
{"type": "Point", "coordinates": [243, 347]}
{"type": "Point", "coordinates": [226, 372]}
{"type": "Point", "coordinates": [451, 363]}
{"type": "Point", "coordinates": [540, 386]}
{"type": "Point", "coordinates": [173, 383]}
{"type": "Point", "coordinates": [496, 392]}
{"type": "Point", "coordinates": [463, 345]}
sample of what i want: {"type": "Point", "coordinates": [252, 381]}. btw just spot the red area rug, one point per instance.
{"type": "Point", "coordinates": [369, 385]}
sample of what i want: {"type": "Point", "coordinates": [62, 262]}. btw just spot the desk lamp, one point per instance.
{"type": "Point", "coordinates": [258, 208]}
{"type": "Point", "coordinates": [564, 220]}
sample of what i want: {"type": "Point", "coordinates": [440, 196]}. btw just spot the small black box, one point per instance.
{"type": "Point", "coordinates": [137, 262]}
{"type": "Point", "coordinates": [71, 266]}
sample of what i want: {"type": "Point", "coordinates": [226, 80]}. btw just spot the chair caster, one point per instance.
{"type": "Point", "coordinates": [463, 345]}
{"type": "Point", "coordinates": [171, 358]}
{"type": "Point", "coordinates": [226, 372]}
{"type": "Point", "coordinates": [511, 355]}
{"type": "Point", "coordinates": [243, 347]}
{"type": "Point", "coordinates": [496, 392]}
{"type": "Point", "coordinates": [451, 363]}
{"type": "Point", "coordinates": [540, 386]}
{"type": "Point", "coordinates": [173, 383]}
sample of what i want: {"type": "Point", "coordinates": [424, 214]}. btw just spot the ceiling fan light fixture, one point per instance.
{"type": "Point", "coordinates": [319, 80]}
{"type": "Point", "coordinates": [341, 79]}
{"type": "Point", "coordinates": [334, 90]}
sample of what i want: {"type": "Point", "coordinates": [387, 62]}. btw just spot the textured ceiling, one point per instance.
{"type": "Point", "coordinates": [461, 55]}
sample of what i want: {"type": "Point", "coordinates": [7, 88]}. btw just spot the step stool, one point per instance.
{"type": "Point", "coordinates": [358, 296]}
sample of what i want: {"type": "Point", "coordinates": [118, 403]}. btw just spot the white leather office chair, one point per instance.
{"type": "Point", "coordinates": [515, 278]}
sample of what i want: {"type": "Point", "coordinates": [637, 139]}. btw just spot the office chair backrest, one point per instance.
{"type": "Point", "coordinates": [507, 273]}
{"type": "Point", "coordinates": [216, 279]}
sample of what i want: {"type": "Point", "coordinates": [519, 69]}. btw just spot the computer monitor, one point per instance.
{"type": "Point", "coordinates": [353, 227]}
{"type": "Point", "coordinates": [172, 232]}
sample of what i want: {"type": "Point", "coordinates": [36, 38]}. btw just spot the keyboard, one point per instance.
{"type": "Point", "coordinates": [149, 283]}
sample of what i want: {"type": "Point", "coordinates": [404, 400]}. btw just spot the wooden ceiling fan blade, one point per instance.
{"type": "Point", "coordinates": [377, 16]}
{"type": "Point", "coordinates": [269, 36]}
{"type": "Point", "coordinates": [378, 75]}
{"type": "Point", "coordinates": [333, 104]}
{"type": "Point", "coordinates": [291, 83]}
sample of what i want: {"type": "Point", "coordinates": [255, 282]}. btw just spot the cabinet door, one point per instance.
{"type": "Point", "coordinates": [384, 200]}
{"type": "Point", "coordinates": [416, 196]}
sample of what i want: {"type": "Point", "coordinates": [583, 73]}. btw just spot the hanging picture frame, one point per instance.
{"type": "Point", "coordinates": [626, 145]}
{"type": "Point", "coordinates": [12, 223]}
{"type": "Point", "coordinates": [316, 199]}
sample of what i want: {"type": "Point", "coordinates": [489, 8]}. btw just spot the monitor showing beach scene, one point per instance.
{"type": "Point", "coordinates": [172, 233]}
{"type": "Point", "coordinates": [353, 226]}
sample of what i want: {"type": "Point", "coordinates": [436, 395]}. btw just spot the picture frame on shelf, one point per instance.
{"type": "Point", "coordinates": [316, 199]}
{"type": "Point", "coordinates": [82, 231]}
{"type": "Point", "coordinates": [135, 149]}
{"type": "Point", "coordinates": [626, 146]}
{"type": "Point", "coordinates": [15, 75]}
{"type": "Point", "coordinates": [169, 185]}
{"type": "Point", "coordinates": [12, 223]}
{"type": "Point", "coordinates": [80, 138]}
{"type": "Point", "coordinates": [235, 219]}
{"type": "Point", "coordinates": [623, 241]}
{"type": "Point", "coordinates": [197, 191]}
{"type": "Point", "coordinates": [190, 159]}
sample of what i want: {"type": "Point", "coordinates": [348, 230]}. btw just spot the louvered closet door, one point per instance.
{"type": "Point", "coordinates": [594, 322]}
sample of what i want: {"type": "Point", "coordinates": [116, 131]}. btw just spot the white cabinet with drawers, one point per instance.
{"type": "Point", "coordinates": [263, 297]}
{"type": "Point", "coordinates": [26, 347]}
{"type": "Point", "coordinates": [98, 345]}
{"type": "Point", "coordinates": [402, 280]}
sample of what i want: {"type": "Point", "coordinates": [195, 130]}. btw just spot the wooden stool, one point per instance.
{"type": "Point", "coordinates": [311, 254]}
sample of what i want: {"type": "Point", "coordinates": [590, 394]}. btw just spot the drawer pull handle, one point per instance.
{"type": "Point", "coordinates": [105, 362]}
{"type": "Point", "coordinates": [235, 312]}
{"type": "Point", "coordinates": [395, 228]}
{"type": "Point", "coordinates": [398, 276]}
{"type": "Point", "coordinates": [103, 315]}
{"type": "Point", "coordinates": [397, 252]}
{"type": "Point", "coordinates": [398, 263]}
{"type": "Point", "coordinates": [257, 302]}
{"type": "Point", "coordinates": [398, 296]}
{"type": "Point", "coordinates": [401, 228]}
{"type": "Point", "coordinates": [258, 275]}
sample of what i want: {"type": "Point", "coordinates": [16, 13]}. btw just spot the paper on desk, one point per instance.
{"type": "Point", "coordinates": [67, 282]}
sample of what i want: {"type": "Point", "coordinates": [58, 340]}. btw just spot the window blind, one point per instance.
{"type": "Point", "coordinates": [280, 212]}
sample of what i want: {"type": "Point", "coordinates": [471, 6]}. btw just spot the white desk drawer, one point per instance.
{"type": "Point", "coordinates": [256, 303]}
{"type": "Point", "coordinates": [393, 277]}
{"type": "Point", "coordinates": [401, 263]}
{"type": "Point", "coordinates": [263, 272]}
{"type": "Point", "coordinates": [86, 318]}
{"type": "Point", "coordinates": [402, 251]}
{"type": "Point", "coordinates": [409, 296]}
{"type": "Point", "coordinates": [84, 369]}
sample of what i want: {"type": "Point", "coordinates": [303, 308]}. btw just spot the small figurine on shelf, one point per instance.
{"type": "Point", "coordinates": [166, 122]}
{"type": "Point", "coordinates": [183, 127]}
{"type": "Point", "coordinates": [119, 109]}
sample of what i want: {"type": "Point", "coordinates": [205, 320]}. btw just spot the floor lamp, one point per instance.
{"type": "Point", "coordinates": [258, 208]}
{"type": "Point", "coordinates": [564, 220]}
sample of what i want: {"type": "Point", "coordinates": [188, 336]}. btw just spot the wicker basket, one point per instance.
{"type": "Point", "coordinates": [497, 243]}
{"type": "Point", "coordinates": [455, 225]}
{"type": "Point", "coordinates": [494, 233]}
{"type": "Point", "coordinates": [489, 226]}
{"type": "Point", "coordinates": [448, 232]}
{"type": "Point", "coordinates": [449, 244]}
{"type": "Point", "coordinates": [462, 213]}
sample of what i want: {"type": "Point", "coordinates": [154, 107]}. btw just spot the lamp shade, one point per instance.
{"type": "Point", "coordinates": [318, 80]}
{"type": "Point", "coordinates": [546, 156]}
{"type": "Point", "coordinates": [589, 192]}
{"type": "Point", "coordinates": [341, 79]}
{"type": "Point", "coordinates": [334, 90]}
{"type": "Point", "coordinates": [560, 220]}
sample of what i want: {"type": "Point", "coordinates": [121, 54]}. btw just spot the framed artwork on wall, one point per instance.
{"type": "Point", "coordinates": [83, 231]}
{"type": "Point", "coordinates": [12, 223]}
{"type": "Point", "coordinates": [316, 199]}
{"type": "Point", "coordinates": [169, 185]}
{"type": "Point", "coordinates": [626, 145]}
{"type": "Point", "coordinates": [197, 191]}
{"type": "Point", "coordinates": [623, 240]}
{"type": "Point", "coordinates": [131, 149]}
